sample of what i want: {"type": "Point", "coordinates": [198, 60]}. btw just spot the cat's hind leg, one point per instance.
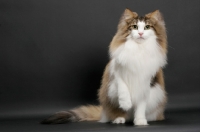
{"type": "Point", "coordinates": [119, 120]}
{"type": "Point", "coordinates": [156, 115]}
{"type": "Point", "coordinates": [104, 117]}
{"type": "Point", "coordinates": [116, 117]}
{"type": "Point", "coordinates": [156, 104]}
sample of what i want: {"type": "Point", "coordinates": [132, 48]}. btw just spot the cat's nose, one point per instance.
{"type": "Point", "coordinates": [140, 34]}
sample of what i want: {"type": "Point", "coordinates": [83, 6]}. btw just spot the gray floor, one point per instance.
{"type": "Point", "coordinates": [180, 120]}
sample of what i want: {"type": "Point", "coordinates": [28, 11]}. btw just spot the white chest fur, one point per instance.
{"type": "Point", "coordinates": [145, 58]}
{"type": "Point", "coordinates": [135, 64]}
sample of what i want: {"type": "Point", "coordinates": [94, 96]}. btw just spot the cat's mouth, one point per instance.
{"type": "Point", "coordinates": [141, 38]}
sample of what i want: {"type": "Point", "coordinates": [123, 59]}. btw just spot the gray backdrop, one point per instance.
{"type": "Point", "coordinates": [53, 52]}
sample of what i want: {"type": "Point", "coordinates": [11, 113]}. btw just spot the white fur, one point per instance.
{"type": "Point", "coordinates": [156, 96]}
{"type": "Point", "coordinates": [133, 64]}
{"type": "Point", "coordinates": [119, 120]}
{"type": "Point", "coordinates": [139, 115]}
{"type": "Point", "coordinates": [123, 94]}
{"type": "Point", "coordinates": [140, 121]}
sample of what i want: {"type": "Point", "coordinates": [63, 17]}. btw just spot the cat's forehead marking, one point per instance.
{"type": "Point", "coordinates": [143, 19]}
{"type": "Point", "coordinates": [140, 18]}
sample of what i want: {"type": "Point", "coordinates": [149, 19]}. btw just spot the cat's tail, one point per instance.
{"type": "Point", "coordinates": [83, 113]}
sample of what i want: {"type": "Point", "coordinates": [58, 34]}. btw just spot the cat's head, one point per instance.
{"type": "Point", "coordinates": [141, 28]}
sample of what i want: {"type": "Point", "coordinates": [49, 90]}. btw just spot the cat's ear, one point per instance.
{"type": "Point", "coordinates": [156, 15]}
{"type": "Point", "coordinates": [125, 19]}
{"type": "Point", "coordinates": [128, 14]}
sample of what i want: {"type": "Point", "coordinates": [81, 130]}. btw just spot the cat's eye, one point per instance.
{"type": "Point", "coordinates": [147, 27]}
{"type": "Point", "coordinates": [135, 27]}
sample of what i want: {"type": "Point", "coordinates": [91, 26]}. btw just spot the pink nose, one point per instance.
{"type": "Point", "coordinates": [140, 34]}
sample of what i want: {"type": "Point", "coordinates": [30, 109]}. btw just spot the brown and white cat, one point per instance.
{"type": "Point", "coordinates": [132, 84]}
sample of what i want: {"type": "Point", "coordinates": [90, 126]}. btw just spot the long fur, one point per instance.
{"type": "Point", "coordinates": [132, 86]}
{"type": "Point", "coordinates": [83, 113]}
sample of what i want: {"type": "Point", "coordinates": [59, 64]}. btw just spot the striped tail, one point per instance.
{"type": "Point", "coordinates": [83, 113]}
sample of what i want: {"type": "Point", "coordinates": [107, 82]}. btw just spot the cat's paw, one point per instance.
{"type": "Point", "coordinates": [119, 120]}
{"type": "Point", "coordinates": [125, 105]}
{"type": "Point", "coordinates": [140, 122]}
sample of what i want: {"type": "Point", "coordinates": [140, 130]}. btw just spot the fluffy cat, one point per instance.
{"type": "Point", "coordinates": [132, 84]}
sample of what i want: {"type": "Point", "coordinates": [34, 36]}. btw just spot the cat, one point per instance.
{"type": "Point", "coordinates": [132, 86]}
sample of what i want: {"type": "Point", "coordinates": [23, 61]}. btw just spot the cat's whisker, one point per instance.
{"type": "Point", "coordinates": [171, 47]}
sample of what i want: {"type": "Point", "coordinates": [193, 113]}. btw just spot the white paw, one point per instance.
{"type": "Point", "coordinates": [140, 122]}
{"type": "Point", "coordinates": [125, 105]}
{"type": "Point", "coordinates": [119, 120]}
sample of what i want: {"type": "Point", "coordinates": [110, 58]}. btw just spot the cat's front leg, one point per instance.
{"type": "Point", "coordinates": [139, 115]}
{"type": "Point", "coordinates": [124, 96]}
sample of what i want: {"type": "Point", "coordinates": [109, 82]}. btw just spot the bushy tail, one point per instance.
{"type": "Point", "coordinates": [83, 113]}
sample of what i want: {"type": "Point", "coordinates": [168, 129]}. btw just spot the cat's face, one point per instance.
{"type": "Point", "coordinates": [140, 28]}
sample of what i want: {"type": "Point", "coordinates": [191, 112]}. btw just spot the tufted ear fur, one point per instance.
{"type": "Point", "coordinates": [128, 14]}
{"type": "Point", "coordinates": [157, 16]}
